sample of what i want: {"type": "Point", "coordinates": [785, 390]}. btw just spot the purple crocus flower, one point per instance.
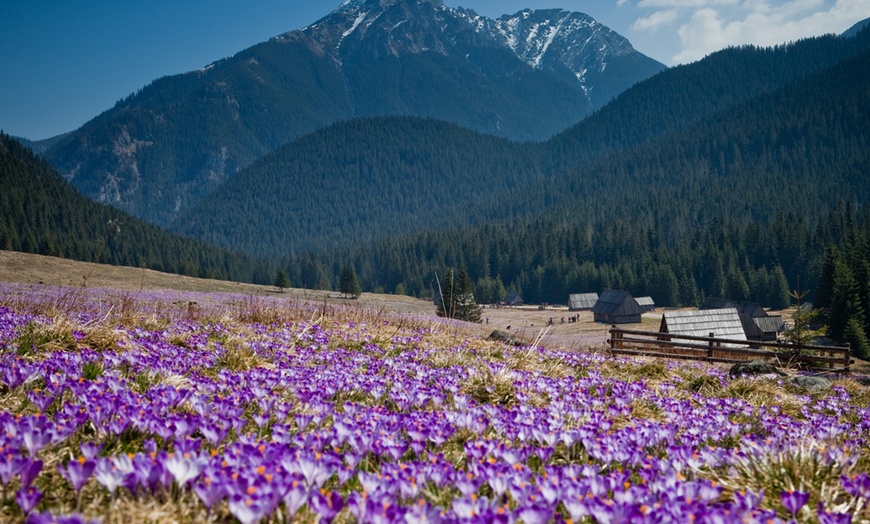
{"type": "Point", "coordinates": [327, 504]}
{"type": "Point", "coordinates": [209, 491]}
{"type": "Point", "coordinates": [536, 514]}
{"type": "Point", "coordinates": [794, 500]}
{"type": "Point", "coordinates": [184, 467]}
{"type": "Point", "coordinates": [833, 518]}
{"type": "Point", "coordinates": [36, 437]}
{"type": "Point", "coordinates": [295, 497]}
{"type": "Point", "coordinates": [11, 464]}
{"type": "Point", "coordinates": [77, 472]}
{"type": "Point", "coordinates": [857, 485]}
{"type": "Point", "coordinates": [247, 508]}
{"type": "Point", "coordinates": [109, 475]}
{"type": "Point", "coordinates": [90, 449]}
{"type": "Point", "coordinates": [29, 472]}
{"type": "Point", "coordinates": [27, 499]}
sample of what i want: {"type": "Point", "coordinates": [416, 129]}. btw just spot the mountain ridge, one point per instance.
{"type": "Point", "coordinates": [162, 149]}
{"type": "Point", "coordinates": [402, 161]}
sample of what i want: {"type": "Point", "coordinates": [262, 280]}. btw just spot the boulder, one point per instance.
{"type": "Point", "coordinates": [504, 336]}
{"type": "Point", "coordinates": [754, 367]}
{"type": "Point", "coordinates": [812, 384]}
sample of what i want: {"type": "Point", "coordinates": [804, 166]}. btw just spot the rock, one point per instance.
{"type": "Point", "coordinates": [504, 336]}
{"type": "Point", "coordinates": [813, 384]}
{"type": "Point", "coordinates": [753, 367]}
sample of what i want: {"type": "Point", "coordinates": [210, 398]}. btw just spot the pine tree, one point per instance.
{"type": "Point", "coordinates": [801, 332]}
{"type": "Point", "coordinates": [281, 280]}
{"type": "Point", "coordinates": [444, 301]}
{"type": "Point", "coordinates": [845, 302]}
{"type": "Point", "coordinates": [855, 336]}
{"type": "Point", "coordinates": [466, 306]}
{"type": "Point", "coordinates": [825, 287]}
{"type": "Point", "coordinates": [348, 283]}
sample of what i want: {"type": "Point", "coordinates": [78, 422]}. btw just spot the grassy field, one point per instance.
{"type": "Point", "coordinates": [528, 322]}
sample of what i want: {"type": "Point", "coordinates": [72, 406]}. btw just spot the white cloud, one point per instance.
{"type": "Point", "coordinates": [710, 25]}
{"type": "Point", "coordinates": [684, 3]}
{"type": "Point", "coordinates": [655, 20]}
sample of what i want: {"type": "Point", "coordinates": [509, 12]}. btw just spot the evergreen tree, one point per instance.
{"type": "Point", "coordinates": [281, 280]}
{"type": "Point", "coordinates": [778, 295]}
{"type": "Point", "coordinates": [855, 336]}
{"type": "Point", "coordinates": [825, 288]}
{"type": "Point", "coordinates": [444, 302]}
{"type": "Point", "coordinates": [845, 302]}
{"type": "Point", "coordinates": [801, 332]}
{"type": "Point", "coordinates": [348, 282]}
{"type": "Point", "coordinates": [466, 306]}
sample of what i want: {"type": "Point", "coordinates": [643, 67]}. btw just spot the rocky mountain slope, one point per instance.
{"type": "Point", "coordinates": [523, 77]}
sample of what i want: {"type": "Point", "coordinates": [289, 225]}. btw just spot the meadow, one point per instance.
{"type": "Point", "coordinates": [169, 406]}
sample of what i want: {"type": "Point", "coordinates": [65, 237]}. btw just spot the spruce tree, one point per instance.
{"type": "Point", "coordinates": [845, 302]}
{"type": "Point", "coordinates": [778, 294]}
{"type": "Point", "coordinates": [467, 307]}
{"type": "Point", "coordinates": [855, 336]}
{"type": "Point", "coordinates": [281, 280]}
{"type": "Point", "coordinates": [801, 332]}
{"type": "Point", "coordinates": [444, 302]}
{"type": "Point", "coordinates": [825, 287]}
{"type": "Point", "coordinates": [348, 282]}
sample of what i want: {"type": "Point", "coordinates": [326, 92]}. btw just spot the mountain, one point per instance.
{"type": "Point", "coordinates": [40, 146]}
{"type": "Point", "coordinates": [363, 180]}
{"type": "Point", "coordinates": [742, 204]}
{"type": "Point", "coordinates": [40, 213]}
{"type": "Point", "coordinates": [855, 29]}
{"type": "Point", "coordinates": [522, 77]}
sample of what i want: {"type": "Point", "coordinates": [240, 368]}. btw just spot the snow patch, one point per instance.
{"type": "Point", "coordinates": [353, 27]}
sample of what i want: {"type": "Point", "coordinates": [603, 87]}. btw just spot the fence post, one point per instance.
{"type": "Point", "coordinates": [710, 351]}
{"type": "Point", "coordinates": [848, 357]}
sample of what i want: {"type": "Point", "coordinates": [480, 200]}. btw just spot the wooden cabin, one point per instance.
{"type": "Point", "coordinates": [513, 299]}
{"type": "Point", "coordinates": [767, 328]}
{"type": "Point", "coordinates": [617, 307]}
{"type": "Point", "coordinates": [749, 312]}
{"type": "Point", "coordinates": [647, 304]}
{"type": "Point", "coordinates": [582, 301]}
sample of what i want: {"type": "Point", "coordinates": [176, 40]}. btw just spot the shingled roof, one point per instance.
{"type": "Point", "coordinates": [578, 301]}
{"type": "Point", "coordinates": [753, 309]}
{"type": "Point", "coordinates": [723, 323]}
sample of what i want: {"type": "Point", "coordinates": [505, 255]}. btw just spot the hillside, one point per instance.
{"type": "Point", "coordinates": [685, 159]}
{"type": "Point", "coordinates": [360, 180]}
{"type": "Point", "coordinates": [41, 213]}
{"type": "Point", "coordinates": [162, 149]}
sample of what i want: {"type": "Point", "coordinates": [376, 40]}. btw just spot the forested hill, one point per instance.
{"type": "Point", "coordinates": [686, 94]}
{"type": "Point", "coordinates": [360, 180]}
{"type": "Point", "coordinates": [41, 213]}
{"type": "Point", "coordinates": [736, 145]}
{"type": "Point", "coordinates": [741, 205]}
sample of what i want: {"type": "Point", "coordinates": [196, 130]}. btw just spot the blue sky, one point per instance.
{"type": "Point", "coordinates": [65, 61]}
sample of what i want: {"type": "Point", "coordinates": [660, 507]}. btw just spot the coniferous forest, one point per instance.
{"type": "Point", "coordinates": [41, 213]}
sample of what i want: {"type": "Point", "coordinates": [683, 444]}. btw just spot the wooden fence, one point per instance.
{"type": "Point", "coordinates": [711, 349]}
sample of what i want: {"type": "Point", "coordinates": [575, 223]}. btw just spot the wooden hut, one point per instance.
{"type": "Point", "coordinates": [767, 328]}
{"type": "Point", "coordinates": [748, 312]}
{"type": "Point", "coordinates": [582, 301]}
{"type": "Point", "coordinates": [617, 307]}
{"type": "Point", "coordinates": [722, 323]}
{"type": "Point", "coordinates": [647, 304]}
{"type": "Point", "coordinates": [513, 299]}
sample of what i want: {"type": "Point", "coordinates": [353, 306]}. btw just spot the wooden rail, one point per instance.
{"type": "Point", "coordinates": [711, 349]}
